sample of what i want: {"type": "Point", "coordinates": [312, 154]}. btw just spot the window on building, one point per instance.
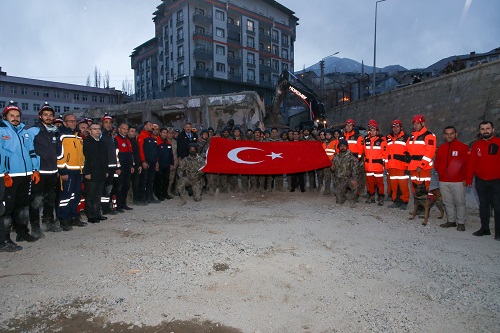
{"type": "Point", "coordinates": [199, 11]}
{"type": "Point", "coordinates": [199, 30]}
{"type": "Point", "coordinates": [66, 109]}
{"type": "Point", "coordinates": [76, 97]}
{"type": "Point", "coordinates": [46, 94]}
{"type": "Point", "coordinates": [66, 95]}
{"type": "Point", "coordinates": [24, 91]}
{"type": "Point", "coordinates": [251, 58]}
{"type": "Point", "coordinates": [284, 53]}
{"type": "Point", "coordinates": [101, 99]}
{"type": "Point", "coordinates": [231, 70]}
{"type": "Point", "coordinates": [275, 35]}
{"type": "Point", "coordinates": [250, 25]}
{"type": "Point", "coordinates": [57, 94]}
{"type": "Point", "coordinates": [25, 106]}
{"type": "Point", "coordinates": [3, 104]}
{"type": "Point", "coordinates": [261, 47]}
{"type": "Point", "coordinates": [111, 100]}
{"type": "Point", "coordinates": [220, 32]}
{"type": "Point", "coordinates": [250, 42]}
{"type": "Point", "coordinates": [284, 66]}
{"type": "Point", "coordinates": [219, 14]}
{"type": "Point", "coordinates": [180, 17]}
{"type": "Point", "coordinates": [200, 65]}
{"type": "Point", "coordinates": [180, 69]}
{"type": "Point", "coordinates": [76, 108]}
{"type": "Point", "coordinates": [276, 65]}
{"type": "Point", "coordinates": [180, 34]}
{"type": "Point", "coordinates": [180, 51]}
{"type": "Point", "coordinates": [285, 39]}
{"type": "Point", "coordinates": [36, 107]}
{"type": "Point", "coordinates": [13, 89]}
{"type": "Point", "coordinates": [2, 88]}
{"type": "Point", "coordinates": [276, 50]}
{"type": "Point", "coordinates": [230, 54]}
{"type": "Point", "coordinates": [220, 50]}
{"type": "Point", "coordinates": [57, 109]}
{"type": "Point", "coordinates": [220, 67]}
{"type": "Point", "coordinates": [84, 97]}
{"type": "Point", "coordinates": [230, 20]}
{"type": "Point", "coordinates": [251, 75]}
{"type": "Point", "coordinates": [94, 98]}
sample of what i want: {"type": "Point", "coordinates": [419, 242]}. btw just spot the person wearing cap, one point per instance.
{"type": "Point", "coordinates": [422, 149]}
{"type": "Point", "coordinates": [224, 184]}
{"type": "Point", "coordinates": [22, 170]}
{"type": "Point", "coordinates": [374, 156]}
{"type": "Point", "coordinates": [296, 179]}
{"type": "Point", "coordinates": [396, 165]}
{"type": "Point", "coordinates": [135, 176]}
{"type": "Point", "coordinates": [185, 138]}
{"type": "Point", "coordinates": [70, 164]}
{"type": "Point", "coordinates": [108, 204]}
{"type": "Point", "coordinates": [189, 174]}
{"type": "Point", "coordinates": [210, 132]}
{"type": "Point", "coordinates": [210, 179]}
{"type": "Point", "coordinates": [451, 165]}
{"type": "Point", "coordinates": [306, 136]}
{"type": "Point", "coordinates": [165, 165]}
{"type": "Point", "coordinates": [484, 168]}
{"type": "Point", "coordinates": [329, 145]}
{"type": "Point", "coordinates": [58, 121]}
{"type": "Point", "coordinates": [356, 147]}
{"type": "Point", "coordinates": [148, 150]}
{"type": "Point", "coordinates": [345, 174]}
{"type": "Point", "coordinates": [257, 181]}
{"type": "Point", "coordinates": [83, 128]}
{"type": "Point", "coordinates": [127, 167]}
{"type": "Point", "coordinates": [274, 181]}
{"type": "Point", "coordinates": [43, 194]}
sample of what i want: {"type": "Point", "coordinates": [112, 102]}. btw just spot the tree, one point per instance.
{"type": "Point", "coordinates": [127, 87]}
{"type": "Point", "coordinates": [97, 77]}
{"type": "Point", "coordinates": [88, 81]}
{"type": "Point", "coordinates": [106, 80]}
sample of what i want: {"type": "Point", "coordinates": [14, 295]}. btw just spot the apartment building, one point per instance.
{"type": "Point", "coordinates": [215, 47]}
{"type": "Point", "coordinates": [30, 94]}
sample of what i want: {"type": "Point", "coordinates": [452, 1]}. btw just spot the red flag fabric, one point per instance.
{"type": "Point", "coordinates": [264, 158]}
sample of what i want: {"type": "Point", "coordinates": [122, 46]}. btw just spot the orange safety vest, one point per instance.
{"type": "Point", "coordinates": [422, 148]}
{"type": "Point", "coordinates": [375, 153]}
{"type": "Point", "coordinates": [355, 143]}
{"type": "Point", "coordinates": [397, 151]}
{"type": "Point", "coordinates": [330, 148]}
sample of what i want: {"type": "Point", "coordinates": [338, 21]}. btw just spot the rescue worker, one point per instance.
{"type": "Point", "coordinates": [83, 128]}
{"type": "Point", "coordinates": [165, 165]}
{"type": "Point", "coordinates": [135, 177]}
{"type": "Point", "coordinates": [149, 158]}
{"type": "Point", "coordinates": [257, 181]}
{"type": "Point", "coordinates": [70, 165]}
{"type": "Point", "coordinates": [374, 156]}
{"type": "Point", "coordinates": [297, 179]}
{"type": "Point", "coordinates": [127, 168]}
{"type": "Point", "coordinates": [274, 181]}
{"type": "Point", "coordinates": [396, 165]}
{"type": "Point", "coordinates": [310, 174]}
{"type": "Point", "coordinates": [43, 194]}
{"type": "Point", "coordinates": [22, 165]}
{"type": "Point", "coordinates": [345, 174]}
{"type": "Point", "coordinates": [224, 186]}
{"type": "Point", "coordinates": [95, 172]}
{"type": "Point", "coordinates": [189, 174]}
{"type": "Point", "coordinates": [108, 204]}
{"type": "Point", "coordinates": [356, 147]}
{"type": "Point", "coordinates": [422, 149]}
{"type": "Point", "coordinates": [330, 146]}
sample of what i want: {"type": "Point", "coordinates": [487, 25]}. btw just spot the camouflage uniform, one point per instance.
{"type": "Point", "coordinates": [210, 179]}
{"type": "Point", "coordinates": [188, 174]}
{"type": "Point", "coordinates": [173, 171]}
{"type": "Point", "coordinates": [346, 170]}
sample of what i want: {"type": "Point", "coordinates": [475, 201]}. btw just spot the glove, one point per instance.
{"type": "Point", "coordinates": [35, 177]}
{"type": "Point", "coordinates": [7, 180]}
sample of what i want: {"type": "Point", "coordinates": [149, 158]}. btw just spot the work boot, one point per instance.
{"type": "Point", "coordinates": [37, 232]}
{"type": "Point", "coordinates": [183, 200]}
{"type": "Point", "coordinates": [10, 247]}
{"type": "Point", "coordinates": [380, 200]}
{"type": "Point", "coordinates": [53, 226]}
{"type": "Point", "coordinates": [24, 236]}
{"type": "Point", "coordinates": [448, 225]}
{"type": "Point", "coordinates": [370, 199]}
{"type": "Point", "coordinates": [403, 206]}
{"type": "Point", "coordinates": [461, 227]}
{"type": "Point", "coordinates": [395, 204]}
{"type": "Point", "coordinates": [65, 225]}
{"type": "Point", "coordinates": [76, 222]}
{"type": "Point", "coordinates": [482, 232]}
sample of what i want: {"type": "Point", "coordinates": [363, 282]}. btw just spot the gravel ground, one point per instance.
{"type": "Point", "coordinates": [278, 262]}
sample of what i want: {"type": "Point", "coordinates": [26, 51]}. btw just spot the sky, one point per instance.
{"type": "Point", "coordinates": [64, 40]}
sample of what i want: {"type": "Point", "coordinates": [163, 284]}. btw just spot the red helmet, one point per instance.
{"type": "Point", "coordinates": [57, 120]}
{"type": "Point", "coordinates": [46, 107]}
{"type": "Point", "coordinates": [418, 119]}
{"type": "Point", "coordinates": [349, 122]}
{"type": "Point", "coordinates": [373, 123]}
{"type": "Point", "coordinates": [397, 122]}
{"type": "Point", "coordinates": [107, 117]}
{"type": "Point", "coordinates": [12, 106]}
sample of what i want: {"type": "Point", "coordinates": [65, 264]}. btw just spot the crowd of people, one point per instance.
{"type": "Point", "coordinates": [55, 168]}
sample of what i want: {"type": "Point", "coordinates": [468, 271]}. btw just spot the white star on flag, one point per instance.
{"type": "Point", "coordinates": [275, 155]}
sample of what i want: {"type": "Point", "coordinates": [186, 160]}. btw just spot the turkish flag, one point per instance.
{"type": "Point", "coordinates": [264, 158]}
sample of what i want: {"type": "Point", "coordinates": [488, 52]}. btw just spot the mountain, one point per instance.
{"type": "Point", "coordinates": [346, 65]}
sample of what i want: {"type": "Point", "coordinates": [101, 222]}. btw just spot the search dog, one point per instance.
{"type": "Point", "coordinates": [426, 199]}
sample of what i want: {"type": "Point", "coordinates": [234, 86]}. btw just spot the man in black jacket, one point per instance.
{"type": "Point", "coordinates": [186, 137]}
{"type": "Point", "coordinates": [165, 165]}
{"type": "Point", "coordinates": [135, 177]}
{"type": "Point", "coordinates": [94, 172]}
{"type": "Point", "coordinates": [113, 165]}
{"type": "Point", "coordinates": [127, 168]}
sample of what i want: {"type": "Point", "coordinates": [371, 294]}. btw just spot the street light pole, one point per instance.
{"type": "Point", "coordinates": [375, 46]}
{"type": "Point", "coordinates": [322, 70]}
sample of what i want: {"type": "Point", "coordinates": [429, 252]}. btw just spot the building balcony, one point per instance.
{"type": "Point", "coordinates": [234, 61]}
{"type": "Point", "coordinates": [203, 73]}
{"type": "Point", "coordinates": [199, 18]}
{"type": "Point", "coordinates": [203, 54]}
{"type": "Point", "coordinates": [202, 34]}
{"type": "Point", "coordinates": [233, 27]}
{"type": "Point", "coordinates": [264, 37]}
{"type": "Point", "coordinates": [266, 83]}
{"type": "Point", "coordinates": [235, 77]}
{"type": "Point", "coordinates": [265, 68]}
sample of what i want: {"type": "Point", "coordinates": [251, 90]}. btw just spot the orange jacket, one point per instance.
{"type": "Point", "coordinates": [355, 143]}
{"type": "Point", "coordinates": [375, 153]}
{"type": "Point", "coordinates": [397, 151]}
{"type": "Point", "coordinates": [330, 148]}
{"type": "Point", "coordinates": [422, 148]}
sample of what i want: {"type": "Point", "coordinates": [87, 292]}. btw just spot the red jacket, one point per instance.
{"type": "Point", "coordinates": [422, 149]}
{"type": "Point", "coordinates": [397, 149]}
{"type": "Point", "coordinates": [451, 161]}
{"type": "Point", "coordinates": [375, 153]}
{"type": "Point", "coordinates": [484, 160]}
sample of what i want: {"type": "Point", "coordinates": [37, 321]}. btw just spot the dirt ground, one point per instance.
{"type": "Point", "coordinates": [275, 262]}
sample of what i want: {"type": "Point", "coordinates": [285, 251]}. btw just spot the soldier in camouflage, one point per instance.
{"type": "Point", "coordinates": [189, 173]}
{"type": "Point", "coordinates": [345, 174]}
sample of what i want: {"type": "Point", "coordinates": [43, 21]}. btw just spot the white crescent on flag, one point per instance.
{"type": "Point", "coordinates": [233, 155]}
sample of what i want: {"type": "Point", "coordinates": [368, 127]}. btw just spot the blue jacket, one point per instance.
{"type": "Point", "coordinates": [20, 157]}
{"type": "Point", "coordinates": [47, 147]}
{"type": "Point", "coordinates": [2, 157]}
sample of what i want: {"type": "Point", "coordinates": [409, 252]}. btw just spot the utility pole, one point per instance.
{"type": "Point", "coordinates": [322, 71]}
{"type": "Point", "coordinates": [375, 46]}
